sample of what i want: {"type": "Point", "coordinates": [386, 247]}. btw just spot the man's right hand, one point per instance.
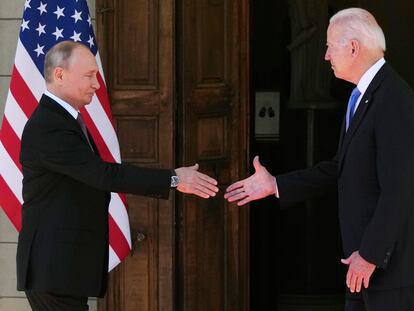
{"type": "Point", "coordinates": [194, 182]}
{"type": "Point", "coordinates": [259, 185]}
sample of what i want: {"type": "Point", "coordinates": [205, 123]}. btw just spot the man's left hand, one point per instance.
{"type": "Point", "coordinates": [359, 271]}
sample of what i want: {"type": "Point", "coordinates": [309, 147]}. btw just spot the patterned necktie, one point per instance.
{"type": "Point", "coordinates": [83, 128]}
{"type": "Point", "coordinates": [351, 106]}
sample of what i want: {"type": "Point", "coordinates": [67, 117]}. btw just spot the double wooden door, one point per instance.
{"type": "Point", "coordinates": [177, 75]}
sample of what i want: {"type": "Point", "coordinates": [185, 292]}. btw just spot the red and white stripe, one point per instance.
{"type": "Point", "coordinates": [26, 88]}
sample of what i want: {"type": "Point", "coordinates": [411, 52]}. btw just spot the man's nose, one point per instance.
{"type": "Point", "coordinates": [327, 55]}
{"type": "Point", "coordinates": [96, 84]}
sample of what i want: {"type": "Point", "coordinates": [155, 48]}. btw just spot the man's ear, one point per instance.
{"type": "Point", "coordinates": [58, 75]}
{"type": "Point", "coordinates": [355, 47]}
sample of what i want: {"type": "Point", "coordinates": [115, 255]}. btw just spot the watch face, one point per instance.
{"type": "Point", "coordinates": [174, 181]}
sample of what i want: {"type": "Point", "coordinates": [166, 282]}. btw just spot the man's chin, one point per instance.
{"type": "Point", "coordinates": [89, 100]}
{"type": "Point", "coordinates": [85, 103]}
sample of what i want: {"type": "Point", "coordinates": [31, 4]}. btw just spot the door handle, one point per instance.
{"type": "Point", "coordinates": [137, 239]}
{"type": "Point", "coordinates": [140, 237]}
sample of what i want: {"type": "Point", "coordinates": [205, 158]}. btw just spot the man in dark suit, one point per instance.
{"type": "Point", "coordinates": [373, 170]}
{"type": "Point", "coordinates": [62, 253]}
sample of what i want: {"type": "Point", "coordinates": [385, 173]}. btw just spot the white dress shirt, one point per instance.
{"type": "Point", "coordinates": [366, 79]}
{"type": "Point", "coordinates": [64, 104]}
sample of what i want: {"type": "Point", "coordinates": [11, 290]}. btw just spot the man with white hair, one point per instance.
{"type": "Point", "coordinates": [373, 170]}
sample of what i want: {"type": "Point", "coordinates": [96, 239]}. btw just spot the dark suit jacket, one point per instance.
{"type": "Point", "coordinates": [63, 243]}
{"type": "Point", "coordinates": [374, 174]}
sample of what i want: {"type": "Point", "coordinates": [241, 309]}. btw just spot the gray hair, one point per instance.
{"type": "Point", "coordinates": [59, 56]}
{"type": "Point", "coordinates": [359, 24]}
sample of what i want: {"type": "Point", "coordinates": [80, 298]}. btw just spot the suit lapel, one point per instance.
{"type": "Point", "coordinates": [341, 135]}
{"type": "Point", "coordinates": [50, 104]}
{"type": "Point", "coordinates": [364, 104]}
{"type": "Point", "coordinates": [94, 147]}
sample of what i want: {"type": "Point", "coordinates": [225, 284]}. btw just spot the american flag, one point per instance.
{"type": "Point", "coordinates": [44, 24]}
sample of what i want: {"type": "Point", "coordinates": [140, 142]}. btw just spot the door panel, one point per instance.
{"type": "Point", "coordinates": [137, 39]}
{"type": "Point", "coordinates": [136, 42]}
{"type": "Point", "coordinates": [213, 253]}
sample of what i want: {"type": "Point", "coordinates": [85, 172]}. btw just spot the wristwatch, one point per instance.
{"type": "Point", "coordinates": [175, 180]}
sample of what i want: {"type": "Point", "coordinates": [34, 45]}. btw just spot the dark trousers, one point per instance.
{"type": "Point", "coordinates": [400, 299]}
{"type": "Point", "coordinates": [51, 302]}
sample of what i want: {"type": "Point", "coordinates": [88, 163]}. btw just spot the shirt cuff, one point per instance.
{"type": "Point", "coordinates": [277, 189]}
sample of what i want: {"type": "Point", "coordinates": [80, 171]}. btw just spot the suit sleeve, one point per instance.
{"type": "Point", "coordinates": [309, 183]}
{"type": "Point", "coordinates": [394, 132]}
{"type": "Point", "coordinates": [63, 151]}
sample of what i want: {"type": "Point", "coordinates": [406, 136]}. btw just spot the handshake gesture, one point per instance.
{"type": "Point", "coordinates": [193, 182]}
{"type": "Point", "coordinates": [261, 184]}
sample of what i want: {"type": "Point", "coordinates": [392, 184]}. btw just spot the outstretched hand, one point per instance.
{"type": "Point", "coordinates": [359, 272]}
{"type": "Point", "coordinates": [259, 185]}
{"type": "Point", "coordinates": [194, 182]}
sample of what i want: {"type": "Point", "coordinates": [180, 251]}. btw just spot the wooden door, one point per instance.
{"type": "Point", "coordinates": [213, 251]}
{"type": "Point", "coordinates": [169, 118]}
{"type": "Point", "coordinates": [136, 39]}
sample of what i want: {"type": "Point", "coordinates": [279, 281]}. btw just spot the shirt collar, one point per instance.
{"type": "Point", "coordinates": [369, 75]}
{"type": "Point", "coordinates": [72, 111]}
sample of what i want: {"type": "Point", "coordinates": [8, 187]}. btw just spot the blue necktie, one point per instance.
{"type": "Point", "coordinates": [351, 106]}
